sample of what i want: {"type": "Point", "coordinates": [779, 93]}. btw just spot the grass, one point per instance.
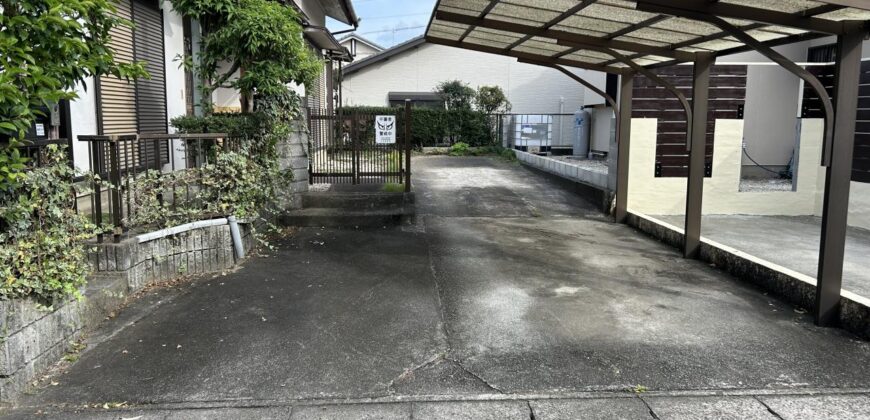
{"type": "Point", "coordinates": [393, 187]}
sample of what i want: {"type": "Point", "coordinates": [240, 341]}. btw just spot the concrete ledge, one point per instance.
{"type": "Point", "coordinates": [33, 338]}
{"type": "Point", "coordinates": [563, 169]}
{"type": "Point", "coordinates": [793, 287]}
{"type": "Point", "coordinates": [598, 196]}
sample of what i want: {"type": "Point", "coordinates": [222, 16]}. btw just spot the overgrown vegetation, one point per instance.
{"type": "Point", "coordinates": [41, 235]}
{"type": "Point", "coordinates": [253, 46]}
{"type": "Point", "coordinates": [47, 47]}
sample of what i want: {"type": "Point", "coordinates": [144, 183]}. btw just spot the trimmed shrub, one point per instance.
{"type": "Point", "coordinates": [438, 127]}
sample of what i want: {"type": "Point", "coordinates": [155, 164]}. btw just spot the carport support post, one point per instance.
{"type": "Point", "coordinates": [835, 209]}
{"type": "Point", "coordinates": [623, 143]}
{"type": "Point", "coordinates": [407, 145]}
{"type": "Point", "coordinates": [698, 150]}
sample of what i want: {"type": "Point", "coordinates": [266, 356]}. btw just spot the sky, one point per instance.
{"type": "Point", "coordinates": [389, 22]}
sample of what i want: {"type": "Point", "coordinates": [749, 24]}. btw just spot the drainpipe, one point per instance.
{"type": "Point", "coordinates": [238, 247]}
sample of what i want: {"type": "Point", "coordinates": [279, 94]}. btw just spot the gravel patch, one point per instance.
{"type": "Point", "coordinates": [765, 185]}
{"type": "Point", "coordinates": [599, 166]}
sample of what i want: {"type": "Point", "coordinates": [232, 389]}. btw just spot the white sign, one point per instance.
{"type": "Point", "coordinates": [385, 129]}
{"type": "Point", "coordinates": [40, 130]}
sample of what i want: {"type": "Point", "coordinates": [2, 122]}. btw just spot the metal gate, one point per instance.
{"type": "Point", "coordinates": [343, 147]}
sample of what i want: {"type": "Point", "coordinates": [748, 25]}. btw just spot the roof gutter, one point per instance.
{"type": "Point", "coordinates": [347, 6]}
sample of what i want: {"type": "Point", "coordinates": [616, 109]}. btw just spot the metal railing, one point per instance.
{"type": "Point", "coordinates": [119, 164]}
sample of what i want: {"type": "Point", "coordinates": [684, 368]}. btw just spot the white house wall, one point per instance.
{"type": "Point", "coordinates": [173, 41]}
{"type": "Point", "coordinates": [83, 121]}
{"type": "Point", "coordinates": [531, 89]}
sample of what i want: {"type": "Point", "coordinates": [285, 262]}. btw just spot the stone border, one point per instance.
{"type": "Point", "coordinates": [795, 288]}
{"type": "Point", "coordinates": [33, 339]}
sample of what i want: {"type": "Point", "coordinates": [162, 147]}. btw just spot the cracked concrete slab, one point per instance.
{"type": "Point", "coordinates": [844, 407]}
{"type": "Point", "coordinates": [712, 408]}
{"type": "Point", "coordinates": [591, 409]}
{"type": "Point", "coordinates": [472, 410]}
{"type": "Point", "coordinates": [353, 411]}
{"type": "Point", "coordinates": [443, 377]}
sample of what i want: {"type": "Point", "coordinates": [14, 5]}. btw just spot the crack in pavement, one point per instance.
{"type": "Point", "coordinates": [443, 337]}
{"type": "Point", "coordinates": [774, 413]}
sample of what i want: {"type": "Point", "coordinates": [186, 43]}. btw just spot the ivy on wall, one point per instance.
{"type": "Point", "coordinates": [42, 251]}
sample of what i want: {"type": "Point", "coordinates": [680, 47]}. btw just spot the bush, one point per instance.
{"type": "Point", "coordinates": [41, 250]}
{"type": "Point", "coordinates": [459, 149]}
{"type": "Point", "coordinates": [434, 126]}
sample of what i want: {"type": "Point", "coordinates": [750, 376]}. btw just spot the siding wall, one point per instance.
{"type": "Point", "coordinates": [121, 96]}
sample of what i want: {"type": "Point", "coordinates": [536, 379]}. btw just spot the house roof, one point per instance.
{"type": "Point", "coordinates": [362, 40]}
{"type": "Point", "coordinates": [340, 10]}
{"type": "Point", "coordinates": [613, 35]}
{"type": "Point", "coordinates": [384, 55]}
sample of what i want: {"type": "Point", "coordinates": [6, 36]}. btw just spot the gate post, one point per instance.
{"type": "Point", "coordinates": [407, 145]}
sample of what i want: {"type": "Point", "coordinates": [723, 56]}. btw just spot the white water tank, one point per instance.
{"type": "Point", "coordinates": [582, 125]}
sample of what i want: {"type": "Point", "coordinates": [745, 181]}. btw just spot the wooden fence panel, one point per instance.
{"type": "Point", "coordinates": [812, 108]}
{"type": "Point", "coordinates": [727, 99]}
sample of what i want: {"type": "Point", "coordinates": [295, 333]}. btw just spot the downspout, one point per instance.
{"type": "Point", "coordinates": [238, 246]}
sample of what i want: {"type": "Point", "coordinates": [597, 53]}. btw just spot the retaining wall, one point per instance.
{"type": "Point", "coordinates": [35, 338]}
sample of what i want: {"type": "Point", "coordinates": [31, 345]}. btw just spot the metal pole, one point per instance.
{"type": "Point", "coordinates": [698, 129]}
{"type": "Point", "coordinates": [835, 209]}
{"type": "Point", "coordinates": [623, 143]}
{"type": "Point", "coordinates": [408, 145]}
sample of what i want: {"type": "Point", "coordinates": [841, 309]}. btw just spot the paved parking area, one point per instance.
{"type": "Point", "coordinates": [507, 297]}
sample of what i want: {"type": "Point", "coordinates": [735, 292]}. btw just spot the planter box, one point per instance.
{"type": "Point", "coordinates": [32, 338]}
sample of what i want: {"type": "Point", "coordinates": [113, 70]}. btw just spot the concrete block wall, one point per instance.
{"type": "Point", "coordinates": [563, 169]}
{"type": "Point", "coordinates": [33, 338]}
{"type": "Point", "coordinates": [293, 158]}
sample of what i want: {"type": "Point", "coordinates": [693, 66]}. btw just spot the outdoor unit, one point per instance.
{"type": "Point", "coordinates": [582, 125]}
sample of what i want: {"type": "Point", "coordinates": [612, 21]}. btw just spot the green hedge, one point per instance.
{"type": "Point", "coordinates": [438, 127]}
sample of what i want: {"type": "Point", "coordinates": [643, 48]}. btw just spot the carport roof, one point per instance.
{"type": "Point", "coordinates": [651, 33]}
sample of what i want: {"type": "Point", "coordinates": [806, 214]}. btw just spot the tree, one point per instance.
{"type": "Point", "coordinates": [259, 39]}
{"type": "Point", "coordinates": [491, 100]}
{"type": "Point", "coordinates": [456, 95]}
{"type": "Point", "coordinates": [46, 47]}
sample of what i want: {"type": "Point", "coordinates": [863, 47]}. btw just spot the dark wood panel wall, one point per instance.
{"type": "Point", "coordinates": [727, 98]}
{"type": "Point", "coordinates": [811, 108]}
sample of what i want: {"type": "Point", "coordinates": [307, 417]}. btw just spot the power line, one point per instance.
{"type": "Point", "coordinates": [366, 19]}
{"type": "Point", "coordinates": [394, 30]}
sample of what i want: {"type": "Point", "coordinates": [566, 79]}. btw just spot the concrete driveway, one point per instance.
{"type": "Point", "coordinates": [508, 298]}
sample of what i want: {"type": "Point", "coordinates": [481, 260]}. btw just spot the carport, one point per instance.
{"type": "Point", "coordinates": [629, 38]}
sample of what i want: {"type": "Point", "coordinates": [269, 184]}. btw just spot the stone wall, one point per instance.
{"type": "Point", "coordinates": [293, 158]}
{"type": "Point", "coordinates": [33, 338]}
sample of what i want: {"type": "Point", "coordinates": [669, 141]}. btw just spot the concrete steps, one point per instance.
{"type": "Point", "coordinates": [350, 209]}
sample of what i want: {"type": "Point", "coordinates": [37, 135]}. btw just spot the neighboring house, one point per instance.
{"type": "Point", "coordinates": [412, 70]}
{"type": "Point", "coordinates": [359, 47]}
{"type": "Point", "coordinates": [160, 35]}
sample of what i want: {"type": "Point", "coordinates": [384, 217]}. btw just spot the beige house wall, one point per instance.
{"type": "Point", "coordinates": [667, 196]}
